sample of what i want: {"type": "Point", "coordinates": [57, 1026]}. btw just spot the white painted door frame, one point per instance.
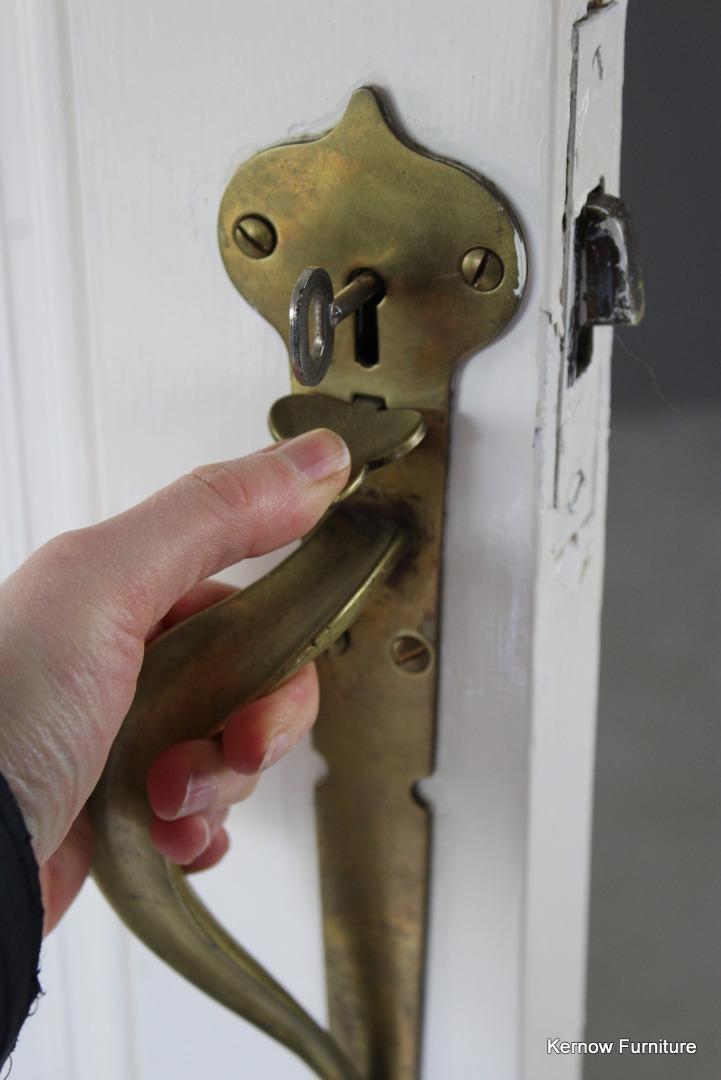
{"type": "Point", "coordinates": [127, 358]}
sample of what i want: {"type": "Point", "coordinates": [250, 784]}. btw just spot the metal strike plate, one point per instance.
{"type": "Point", "coordinates": [451, 258]}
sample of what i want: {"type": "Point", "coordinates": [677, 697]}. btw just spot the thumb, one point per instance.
{"type": "Point", "coordinates": [213, 517]}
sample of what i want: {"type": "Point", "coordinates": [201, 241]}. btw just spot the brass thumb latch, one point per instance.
{"type": "Point", "coordinates": [422, 264]}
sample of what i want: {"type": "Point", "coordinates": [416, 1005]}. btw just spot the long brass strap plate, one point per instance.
{"type": "Point", "coordinates": [451, 258]}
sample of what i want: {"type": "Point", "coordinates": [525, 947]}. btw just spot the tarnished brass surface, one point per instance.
{"type": "Point", "coordinates": [192, 677]}
{"type": "Point", "coordinates": [376, 731]}
{"type": "Point", "coordinates": [362, 197]}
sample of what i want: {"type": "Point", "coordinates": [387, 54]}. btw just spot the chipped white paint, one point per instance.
{"type": "Point", "coordinates": [582, 407]}
{"type": "Point", "coordinates": [129, 358]}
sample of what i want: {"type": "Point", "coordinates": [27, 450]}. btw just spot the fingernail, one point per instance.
{"type": "Point", "coordinates": [317, 454]}
{"type": "Point", "coordinates": [278, 746]}
{"type": "Point", "coordinates": [199, 795]}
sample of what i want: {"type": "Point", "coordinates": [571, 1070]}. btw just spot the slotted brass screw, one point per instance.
{"type": "Point", "coordinates": [255, 236]}
{"type": "Point", "coordinates": [411, 653]}
{"type": "Point", "coordinates": [482, 269]}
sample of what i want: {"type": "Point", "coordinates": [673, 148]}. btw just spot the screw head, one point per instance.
{"type": "Point", "coordinates": [411, 653]}
{"type": "Point", "coordinates": [482, 269]}
{"type": "Point", "coordinates": [255, 236]}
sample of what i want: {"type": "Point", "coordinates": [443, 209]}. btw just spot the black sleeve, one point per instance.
{"type": "Point", "coordinates": [21, 921]}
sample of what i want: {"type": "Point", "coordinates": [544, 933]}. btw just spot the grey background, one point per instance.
{"type": "Point", "coordinates": [670, 179]}
{"type": "Point", "coordinates": [655, 930]}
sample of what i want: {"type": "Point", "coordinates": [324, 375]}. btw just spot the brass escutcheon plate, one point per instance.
{"type": "Point", "coordinates": [362, 197]}
{"type": "Point", "coordinates": [452, 259]}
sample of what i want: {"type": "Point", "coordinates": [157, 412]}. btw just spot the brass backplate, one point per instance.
{"type": "Point", "coordinates": [363, 197]}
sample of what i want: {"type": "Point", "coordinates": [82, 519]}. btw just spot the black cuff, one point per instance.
{"type": "Point", "coordinates": [21, 921]}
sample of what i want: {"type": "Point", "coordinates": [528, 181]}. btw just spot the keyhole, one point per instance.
{"type": "Point", "coordinates": [367, 349]}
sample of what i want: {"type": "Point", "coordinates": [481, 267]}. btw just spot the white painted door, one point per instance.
{"type": "Point", "coordinates": [127, 358]}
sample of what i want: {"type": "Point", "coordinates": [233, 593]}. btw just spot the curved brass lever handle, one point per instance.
{"type": "Point", "coordinates": [319, 590]}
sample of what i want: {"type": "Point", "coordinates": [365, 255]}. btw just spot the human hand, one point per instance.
{"type": "Point", "coordinates": [74, 622]}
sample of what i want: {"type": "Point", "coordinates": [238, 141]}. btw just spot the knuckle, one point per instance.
{"type": "Point", "coordinates": [76, 560]}
{"type": "Point", "coordinates": [81, 556]}
{"type": "Point", "coordinates": [70, 549]}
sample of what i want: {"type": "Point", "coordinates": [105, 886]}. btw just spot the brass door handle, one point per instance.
{"type": "Point", "coordinates": [196, 674]}
{"type": "Point", "coordinates": [192, 678]}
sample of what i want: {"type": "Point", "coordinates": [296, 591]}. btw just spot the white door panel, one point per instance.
{"type": "Point", "coordinates": [128, 357]}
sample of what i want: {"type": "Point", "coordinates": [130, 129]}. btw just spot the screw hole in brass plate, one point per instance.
{"type": "Point", "coordinates": [411, 653]}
